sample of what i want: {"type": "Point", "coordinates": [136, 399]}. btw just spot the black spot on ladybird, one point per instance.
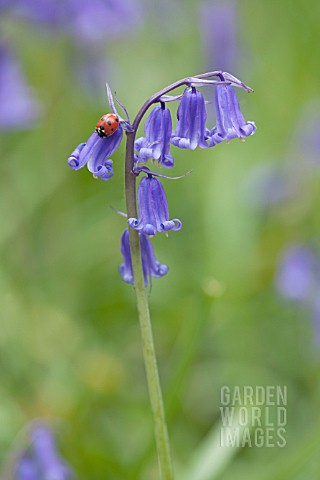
{"type": "Point", "coordinates": [109, 122]}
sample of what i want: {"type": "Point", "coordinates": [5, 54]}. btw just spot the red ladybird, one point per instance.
{"type": "Point", "coordinates": [107, 125]}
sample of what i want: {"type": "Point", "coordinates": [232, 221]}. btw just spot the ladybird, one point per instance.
{"type": "Point", "coordinates": [107, 125]}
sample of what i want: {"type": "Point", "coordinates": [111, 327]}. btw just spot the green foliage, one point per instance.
{"type": "Point", "coordinates": [69, 337]}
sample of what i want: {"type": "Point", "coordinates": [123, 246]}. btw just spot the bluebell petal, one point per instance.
{"type": "Point", "coordinates": [104, 171]}
{"type": "Point", "coordinates": [74, 159]}
{"type": "Point", "coordinates": [150, 265]}
{"type": "Point", "coordinates": [95, 153]}
{"type": "Point", "coordinates": [153, 209]}
{"type": "Point", "coordinates": [191, 126]}
{"type": "Point", "coordinates": [155, 144]}
{"type": "Point", "coordinates": [230, 122]}
{"type": "Point", "coordinates": [125, 268]}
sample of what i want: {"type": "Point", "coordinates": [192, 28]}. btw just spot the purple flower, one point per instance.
{"type": "Point", "coordinates": [150, 265]}
{"type": "Point", "coordinates": [45, 453]}
{"type": "Point", "coordinates": [95, 21]}
{"type": "Point", "coordinates": [219, 28]}
{"type": "Point", "coordinates": [153, 209]}
{"type": "Point", "coordinates": [18, 108]}
{"type": "Point", "coordinates": [191, 126]}
{"type": "Point", "coordinates": [296, 273]}
{"type": "Point", "coordinates": [40, 460]}
{"type": "Point", "coordinates": [230, 121]}
{"type": "Point", "coordinates": [156, 143]}
{"type": "Point", "coordinates": [95, 154]}
{"type": "Point", "coordinates": [27, 469]}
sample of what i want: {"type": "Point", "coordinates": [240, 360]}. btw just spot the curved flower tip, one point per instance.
{"type": "Point", "coordinates": [153, 209]}
{"type": "Point", "coordinates": [150, 265]}
{"type": "Point", "coordinates": [95, 154]}
{"type": "Point", "coordinates": [156, 143]}
{"type": "Point", "coordinates": [74, 159]}
{"type": "Point", "coordinates": [230, 121]}
{"type": "Point", "coordinates": [191, 126]}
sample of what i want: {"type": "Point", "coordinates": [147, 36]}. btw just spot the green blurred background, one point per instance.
{"type": "Point", "coordinates": [69, 338]}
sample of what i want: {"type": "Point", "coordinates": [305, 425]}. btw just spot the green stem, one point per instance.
{"type": "Point", "coordinates": [150, 361]}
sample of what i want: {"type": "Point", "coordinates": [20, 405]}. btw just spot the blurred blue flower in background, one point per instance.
{"type": "Point", "coordinates": [268, 184]}
{"type": "Point", "coordinates": [18, 106]}
{"type": "Point", "coordinates": [40, 460]}
{"type": "Point", "coordinates": [305, 142]}
{"type": "Point", "coordinates": [92, 21]}
{"type": "Point", "coordinates": [90, 26]}
{"type": "Point", "coordinates": [296, 274]}
{"type": "Point", "coordinates": [298, 280]}
{"type": "Point", "coordinates": [219, 27]}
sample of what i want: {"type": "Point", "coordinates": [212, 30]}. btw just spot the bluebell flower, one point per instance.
{"type": "Point", "coordinates": [95, 154]}
{"type": "Point", "coordinates": [18, 107]}
{"type": "Point", "coordinates": [153, 209]}
{"type": "Point", "coordinates": [150, 265]}
{"type": "Point", "coordinates": [156, 143]}
{"type": "Point", "coordinates": [230, 122]}
{"type": "Point", "coordinates": [190, 130]}
{"type": "Point", "coordinates": [40, 460]}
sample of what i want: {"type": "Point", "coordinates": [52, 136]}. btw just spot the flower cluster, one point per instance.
{"type": "Point", "coordinates": [40, 460]}
{"type": "Point", "coordinates": [191, 131]}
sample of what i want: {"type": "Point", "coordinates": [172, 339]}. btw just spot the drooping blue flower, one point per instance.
{"type": "Point", "coordinates": [156, 143]}
{"type": "Point", "coordinates": [95, 154]}
{"type": "Point", "coordinates": [190, 130]}
{"type": "Point", "coordinates": [150, 265]}
{"type": "Point", "coordinates": [153, 209]}
{"type": "Point", "coordinates": [18, 107]}
{"type": "Point", "coordinates": [230, 122]}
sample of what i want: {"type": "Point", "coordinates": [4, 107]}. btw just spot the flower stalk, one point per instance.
{"type": "Point", "coordinates": [150, 360]}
